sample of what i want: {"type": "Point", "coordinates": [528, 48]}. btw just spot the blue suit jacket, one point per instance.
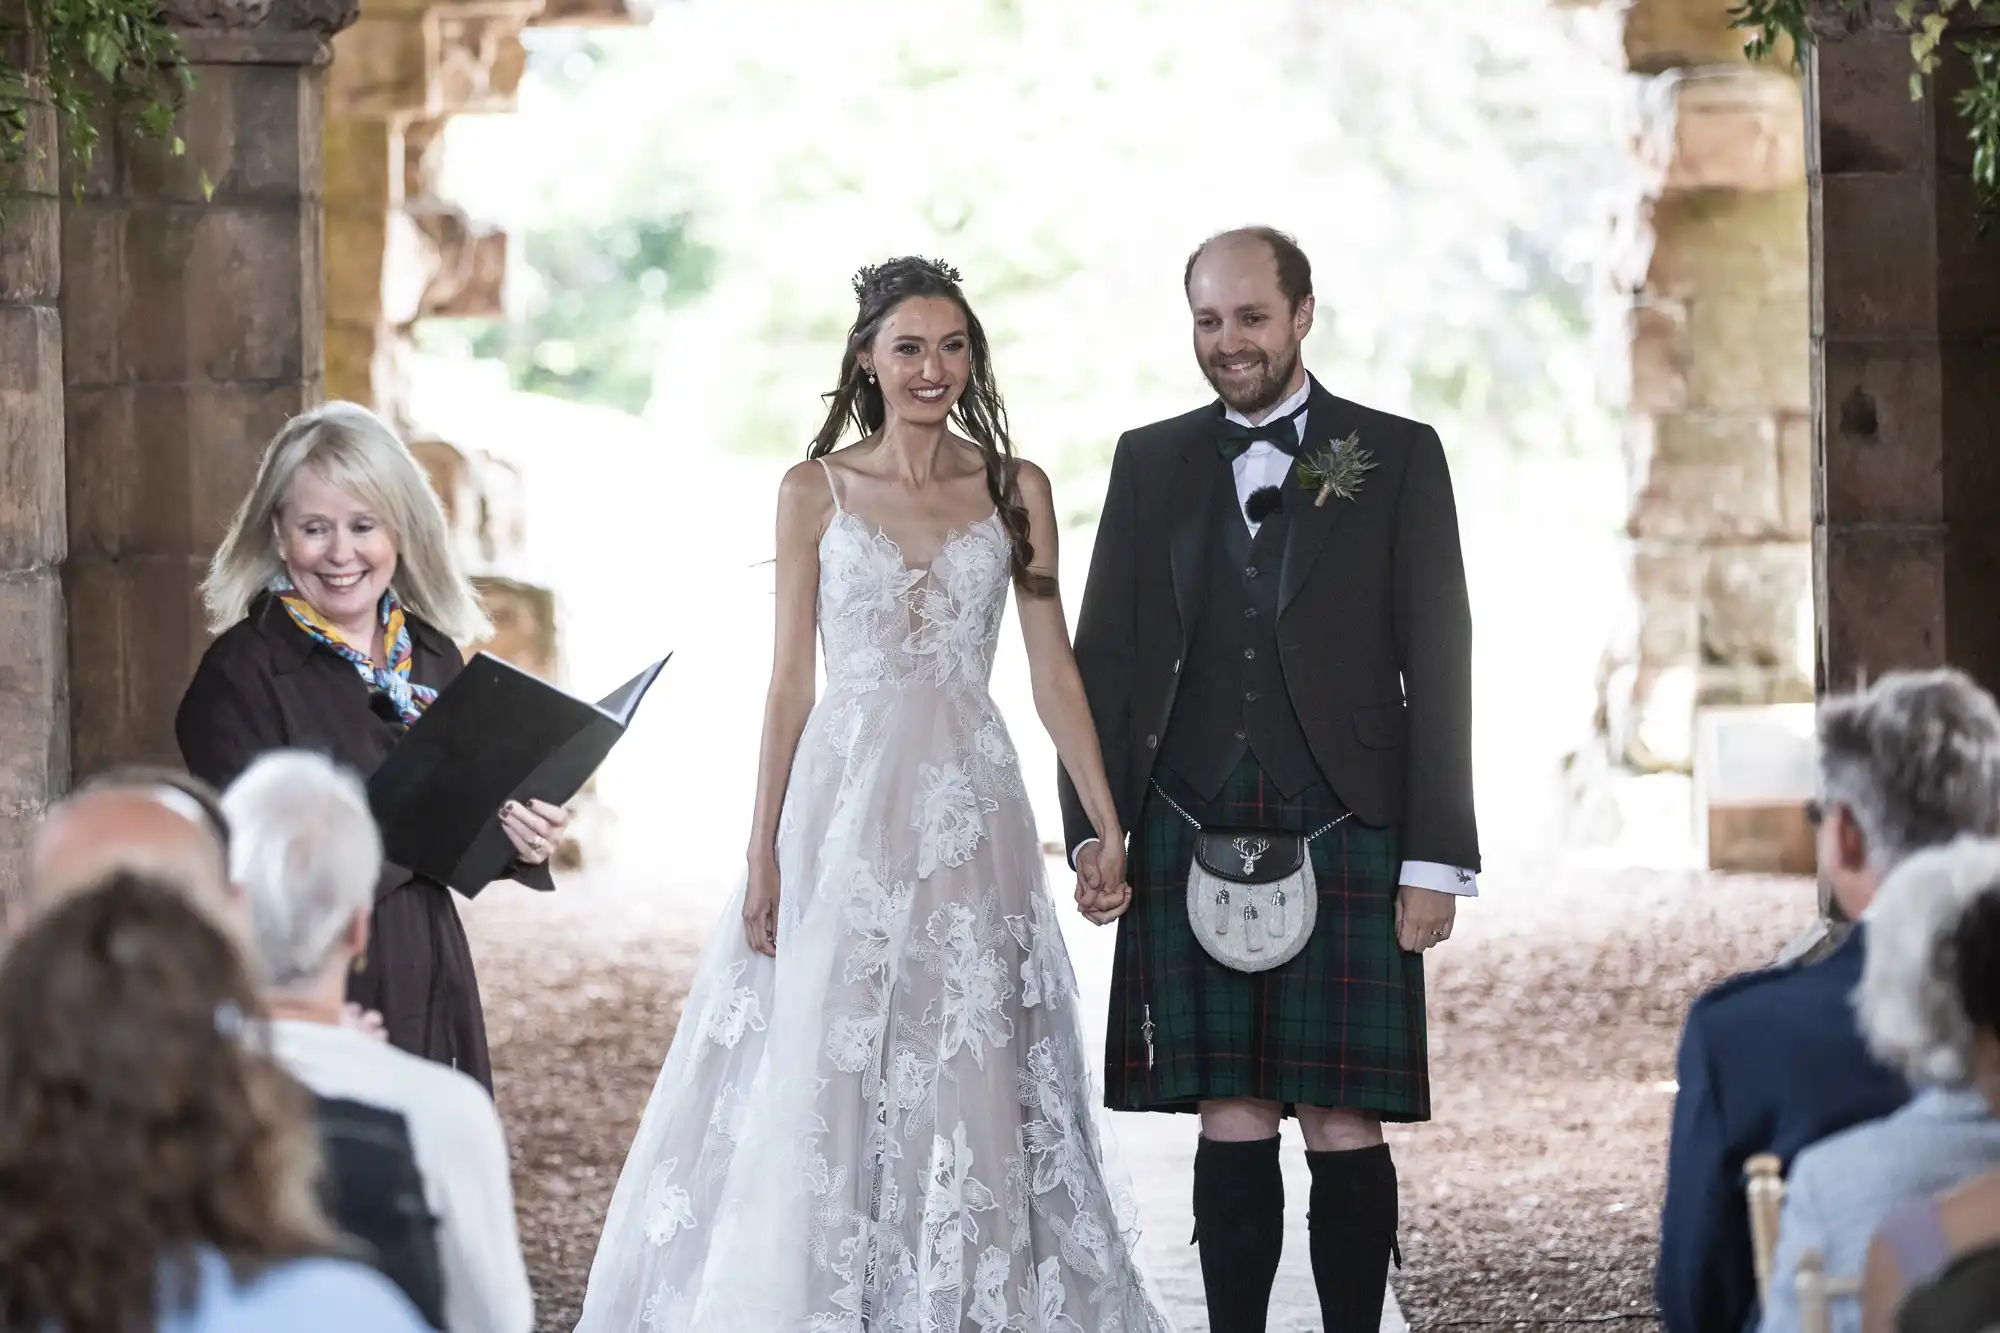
{"type": "Point", "coordinates": [1771, 1062]}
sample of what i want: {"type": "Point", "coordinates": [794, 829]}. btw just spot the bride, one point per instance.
{"type": "Point", "coordinates": [876, 1115]}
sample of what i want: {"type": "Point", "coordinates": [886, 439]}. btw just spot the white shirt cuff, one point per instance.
{"type": "Point", "coordinates": [1077, 850]}
{"type": "Point", "coordinates": [1440, 878]}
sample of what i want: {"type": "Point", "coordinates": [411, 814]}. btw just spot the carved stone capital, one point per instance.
{"type": "Point", "coordinates": [466, 263]}
{"type": "Point", "coordinates": [325, 17]}
{"type": "Point", "coordinates": [593, 14]}
{"type": "Point", "coordinates": [259, 31]}
{"type": "Point", "coordinates": [475, 54]}
{"type": "Point", "coordinates": [431, 60]}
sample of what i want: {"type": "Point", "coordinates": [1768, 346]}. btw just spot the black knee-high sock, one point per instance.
{"type": "Point", "coordinates": [1239, 1221]}
{"type": "Point", "coordinates": [1352, 1224]}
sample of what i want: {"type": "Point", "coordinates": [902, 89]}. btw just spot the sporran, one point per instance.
{"type": "Point", "coordinates": [1252, 898]}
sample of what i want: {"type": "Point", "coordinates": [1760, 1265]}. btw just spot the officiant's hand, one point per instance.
{"type": "Point", "coordinates": [534, 827]}
{"type": "Point", "coordinates": [365, 1021]}
{"type": "Point", "coordinates": [760, 907]}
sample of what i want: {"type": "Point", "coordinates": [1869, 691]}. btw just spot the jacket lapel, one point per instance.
{"type": "Point", "coordinates": [1190, 494]}
{"type": "Point", "coordinates": [1307, 524]}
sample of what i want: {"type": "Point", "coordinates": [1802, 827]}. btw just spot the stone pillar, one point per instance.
{"type": "Point", "coordinates": [34, 693]}
{"type": "Point", "coordinates": [1906, 361]}
{"type": "Point", "coordinates": [1717, 436]}
{"type": "Point", "coordinates": [192, 322]}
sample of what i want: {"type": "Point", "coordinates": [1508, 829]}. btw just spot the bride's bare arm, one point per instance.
{"type": "Point", "coordinates": [804, 506]}
{"type": "Point", "coordinates": [1059, 696]}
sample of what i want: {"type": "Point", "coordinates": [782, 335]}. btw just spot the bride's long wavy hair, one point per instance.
{"type": "Point", "coordinates": [980, 413]}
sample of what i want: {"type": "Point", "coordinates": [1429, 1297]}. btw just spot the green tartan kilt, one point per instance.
{"type": "Point", "coordinates": [1340, 1025]}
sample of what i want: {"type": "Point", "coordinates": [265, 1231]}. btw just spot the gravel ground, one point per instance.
{"type": "Point", "coordinates": [1531, 1198]}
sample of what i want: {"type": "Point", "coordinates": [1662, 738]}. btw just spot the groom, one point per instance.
{"type": "Point", "coordinates": [1269, 653]}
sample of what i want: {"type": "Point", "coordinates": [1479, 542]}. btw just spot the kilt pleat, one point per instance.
{"type": "Point", "coordinates": [1341, 1025]}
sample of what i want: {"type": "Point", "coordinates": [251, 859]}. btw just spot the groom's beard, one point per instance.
{"type": "Point", "coordinates": [1264, 390]}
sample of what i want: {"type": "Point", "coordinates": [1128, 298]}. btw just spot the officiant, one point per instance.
{"type": "Point", "coordinates": [338, 607]}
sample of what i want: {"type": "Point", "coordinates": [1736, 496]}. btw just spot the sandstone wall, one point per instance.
{"type": "Point", "coordinates": [34, 677]}
{"type": "Point", "coordinates": [1718, 435]}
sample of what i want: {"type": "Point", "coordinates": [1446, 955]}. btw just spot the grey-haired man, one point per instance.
{"type": "Point", "coordinates": [1773, 1061]}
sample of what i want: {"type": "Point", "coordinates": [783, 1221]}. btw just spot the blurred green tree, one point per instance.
{"type": "Point", "coordinates": [594, 278]}
{"type": "Point", "coordinates": [1453, 170]}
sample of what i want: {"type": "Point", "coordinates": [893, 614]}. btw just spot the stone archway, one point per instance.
{"type": "Point", "coordinates": [157, 327]}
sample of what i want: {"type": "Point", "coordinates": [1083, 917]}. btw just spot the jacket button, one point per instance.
{"type": "Point", "coordinates": [1153, 742]}
{"type": "Point", "coordinates": [1249, 654]}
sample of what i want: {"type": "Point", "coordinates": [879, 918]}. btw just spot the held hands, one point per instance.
{"type": "Point", "coordinates": [760, 907]}
{"type": "Point", "coordinates": [1423, 917]}
{"type": "Point", "coordinates": [1102, 894]}
{"type": "Point", "coordinates": [534, 827]}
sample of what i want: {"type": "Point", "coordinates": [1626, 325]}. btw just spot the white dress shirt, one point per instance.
{"type": "Point", "coordinates": [1263, 465]}
{"type": "Point", "coordinates": [460, 1152]}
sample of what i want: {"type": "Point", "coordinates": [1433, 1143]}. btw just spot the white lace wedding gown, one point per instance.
{"type": "Point", "coordinates": [892, 1126]}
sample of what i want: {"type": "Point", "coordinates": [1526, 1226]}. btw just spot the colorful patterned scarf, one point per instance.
{"type": "Point", "coordinates": [393, 680]}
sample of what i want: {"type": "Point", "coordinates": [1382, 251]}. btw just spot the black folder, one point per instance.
{"type": "Point", "coordinates": [496, 734]}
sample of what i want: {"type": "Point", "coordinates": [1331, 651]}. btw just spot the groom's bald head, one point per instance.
{"type": "Point", "coordinates": [1267, 244]}
{"type": "Point", "coordinates": [1249, 295]}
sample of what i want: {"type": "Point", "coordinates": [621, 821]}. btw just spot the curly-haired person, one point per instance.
{"type": "Point", "coordinates": [157, 1167]}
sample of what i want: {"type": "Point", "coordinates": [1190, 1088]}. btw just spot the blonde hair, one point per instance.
{"type": "Point", "coordinates": [352, 449]}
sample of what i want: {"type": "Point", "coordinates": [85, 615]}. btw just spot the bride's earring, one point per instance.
{"type": "Point", "coordinates": [868, 374]}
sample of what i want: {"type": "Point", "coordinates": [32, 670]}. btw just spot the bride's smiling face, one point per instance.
{"type": "Point", "coordinates": [922, 358]}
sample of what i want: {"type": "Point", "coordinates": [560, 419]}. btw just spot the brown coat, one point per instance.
{"type": "Point", "coordinates": [266, 684]}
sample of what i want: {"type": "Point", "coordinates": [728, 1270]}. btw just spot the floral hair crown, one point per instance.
{"type": "Point", "coordinates": [869, 276]}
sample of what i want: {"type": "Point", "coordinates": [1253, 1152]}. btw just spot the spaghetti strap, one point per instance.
{"type": "Point", "coordinates": [827, 468]}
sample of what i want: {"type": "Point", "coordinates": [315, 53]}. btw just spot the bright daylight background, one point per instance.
{"type": "Point", "coordinates": [689, 199]}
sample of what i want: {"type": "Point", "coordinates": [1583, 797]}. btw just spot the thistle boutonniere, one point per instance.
{"type": "Point", "coordinates": [1336, 469]}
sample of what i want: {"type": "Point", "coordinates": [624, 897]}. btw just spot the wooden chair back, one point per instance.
{"type": "Point", "coordinates": [1764, 1192]}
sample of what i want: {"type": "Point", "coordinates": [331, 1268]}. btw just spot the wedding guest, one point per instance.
{"type": "Point", "coordinates": [149, 821]}
{"type": "Point", "coordinates": [338, 603]}
{"type": "Point", "coordinates": [1934, 1267]}
{"type": "Point", "coordinates": [1964, 1297]}
{"type": "Point", "coordinates": [157, 1167]}
{"type": "Point", "coordinates": [307, 855]}
{"type": "Point", "coordinates": [1914, 1018]}
{"type": "Point", "coordinates": [1772, 1061]}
